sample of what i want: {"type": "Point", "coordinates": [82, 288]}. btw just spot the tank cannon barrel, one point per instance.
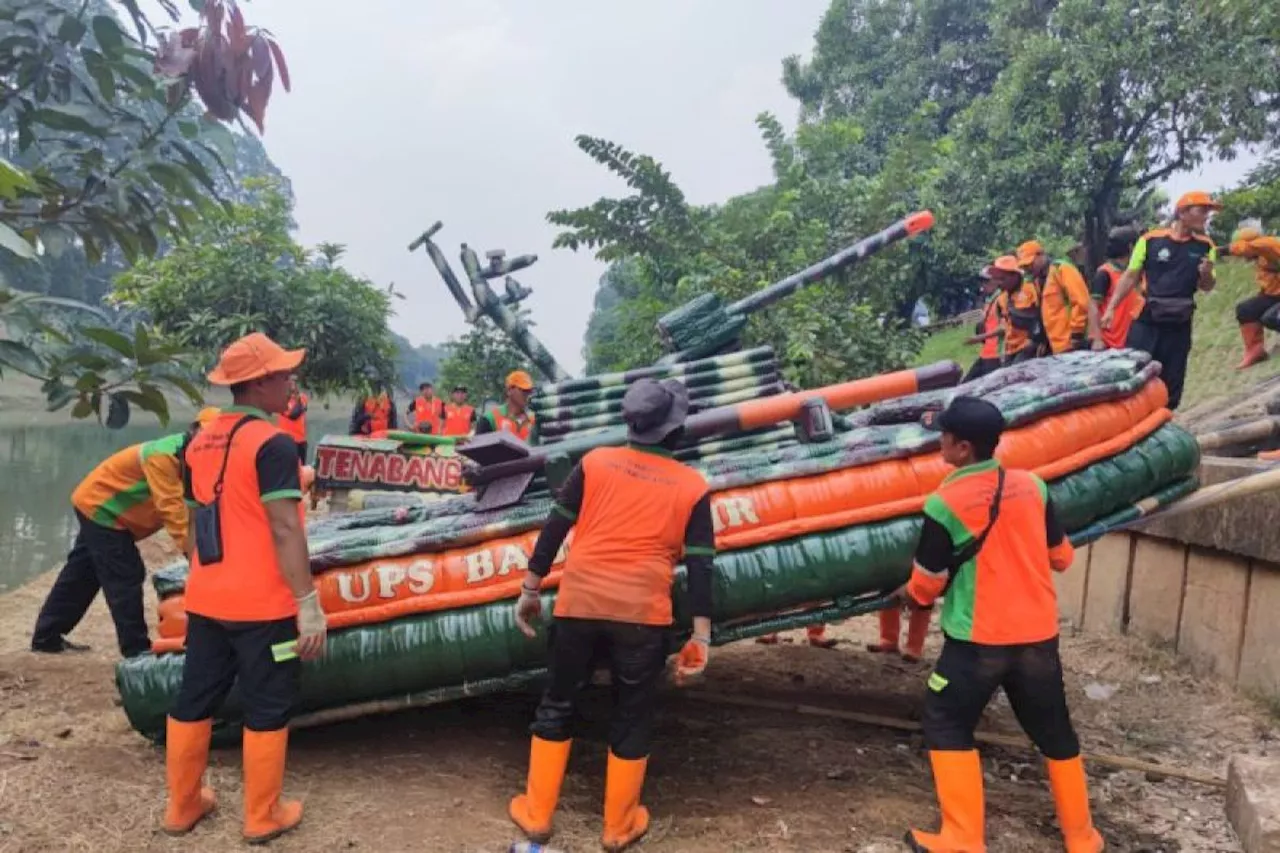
{"type": "Point", "coordinates": [705, 325]}
{"type": "Point", "coordinates": [508, 465]}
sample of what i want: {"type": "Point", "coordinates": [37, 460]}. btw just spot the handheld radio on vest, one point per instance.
{"type": "Point", "coordinates": [207, 518]}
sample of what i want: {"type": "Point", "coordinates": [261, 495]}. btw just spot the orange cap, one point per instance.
{"type": "Point", "coordinates": [253, 357]}
{"type": "Point", "coordinates": [1197, 198]}
{"type": "Point", "coordinates": [1007, 263]}
{"type": "Point", "coordinates": [1027, 252]}
{"type": "Point", "coordinates": [519, 379]}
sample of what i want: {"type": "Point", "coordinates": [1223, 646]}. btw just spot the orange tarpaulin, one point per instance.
{"type": "Point", "coordinates": [385, 589]}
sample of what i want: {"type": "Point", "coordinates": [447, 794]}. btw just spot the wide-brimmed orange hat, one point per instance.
{"type": "Point", "coordinates": [1005, 263]}
{"type": "Point", "coordinates": [1027, 252]}
{"type": "Point", "coordinates": [253, 357]}
{"type": "Point", "coordinates": [520, 379]}
{"type": "Point", "coordinates": [1197, 198]}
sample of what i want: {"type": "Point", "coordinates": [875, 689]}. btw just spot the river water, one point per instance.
{"type": "Point", "coordinates": [39, 468]}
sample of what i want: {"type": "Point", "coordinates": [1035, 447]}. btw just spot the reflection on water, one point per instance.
{"type": "Point", "coordinates": [39, 468]}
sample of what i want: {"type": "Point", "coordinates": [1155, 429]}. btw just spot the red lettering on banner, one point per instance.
{"type": "Point", "coordinates": [343, 464]}
{"type": "Point", "coordinates": [324, 461]}
{"type": "Point", "coordinates": [395, 469]}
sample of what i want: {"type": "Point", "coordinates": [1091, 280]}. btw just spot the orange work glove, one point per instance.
{"type": "Point", "coordinates": [692, 660]}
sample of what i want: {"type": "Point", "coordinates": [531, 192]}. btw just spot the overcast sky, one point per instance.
{"type": "Point", "coordinates": [404, 112]}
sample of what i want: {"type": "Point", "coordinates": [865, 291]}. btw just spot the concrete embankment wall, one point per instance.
{"type": "Point", "coordinates": [1206, 585]}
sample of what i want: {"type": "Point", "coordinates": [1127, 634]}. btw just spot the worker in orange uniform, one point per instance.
{"type": "Point", "coordinates": [426, 412]}
{"type": "Point", "coordinates": [634, 510]}
{"type": "Point", "coordinates": [293, 420]}
{"type": "Point", "coordinates": [375, 413]}
{"type": "Point", "coordinates": [1119, 247]}
{"type": "Point", "coordinates": [459, 415]}
{"type": "Point", "coordinates": [990, 542]}
{"type": "Point", "coordinates": [1018, 302]}
{"type": "Point", "coordinates": [252, 612]}
{"type": "Point", "coordinates": [127, 498]}
{"type": "Point", "coordinates": [514, 415]}
{"type": "Point", "coordinates": [1259, 312]}
{"type": "Point", "coordinates": [989, 331]}
{"type": "Point", "coordinates": [1070, 318]}
{"type": "Point", "coordinates": [1175, 263]}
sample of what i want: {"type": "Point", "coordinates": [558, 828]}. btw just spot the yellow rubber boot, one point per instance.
{"type": "Point", "coordinates": [1255, 350]}
{"type": "Point", "coordinates": [890, 627]}
{"type": "Point", "coordinates": [625, 820]}
{"type": "Point", "coordinates": [186, 754]}
{"type": "Point", "coordinates": [1071, 799]}
{"type": "Point", "coordinates": [266, 816]}
{"type": "Point", "coordinates": [957, 775]}
{"type": "Point", "coordinates": [532, 810]}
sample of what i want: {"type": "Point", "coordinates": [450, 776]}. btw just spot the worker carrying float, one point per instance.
{"type": "Point", "coordinates": [126, 499]}
{"type": "Point", "coordinates": [1176, 262]}
{"type": "Point", "coordinates": [252, 612]}
{"type": "Point", "coordinates": [1070, 318]}
{"type": "Point", "coordinates": [635, 510]}
{"type": "Point", "coordinates": [514, 415]}
{"type": "Point", "coordinates": [991, 542]}
{"type": "Point", "coordinates": [1262, 311]}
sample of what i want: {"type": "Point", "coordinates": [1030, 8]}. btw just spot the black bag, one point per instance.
{"type": "Point", "coordinates": [971, 549]}
{"type": "Point", "coordinates": [1167, 311]}
{"type": "Point", "coordinates": [207, 518]}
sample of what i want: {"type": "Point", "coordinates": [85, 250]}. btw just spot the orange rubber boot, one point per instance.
{"type": "Point", "coordinates": [186, 753]}
{"type": "Point", "coordinates": [917, 631]}
{"type": "Point", "coordinates": [957, 775]}
{"type": "Point", "coordinates": [266, 816]}
{"type": "Point", "coordinates": [1255, 351]}
{"type": "Point", "coordinates": [817, 636]}
{"type": "Point", "coordinates": [890, 627]}
{"type": "Point", "coordinates": [1269, 455]}
{"type": "Point", "coordinates": [532, 810]}
{"type": "Point", "coordinates": [1071, 799]}
{"type": "Point", "coordinates": [625, 820]}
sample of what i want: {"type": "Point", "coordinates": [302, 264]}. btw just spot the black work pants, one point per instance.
{"type": "Point", "coordinates": [106, 559]}
{"type": "Point", "coordinates": [636, 654]}
{"type": "Point", "coordinates": [1168, 344]}
{"type": "Point", "coordinates": [1025, 354]}
{"type": "Point", "coordinates": [302, 452]}
{"type": "Point", "coordinates": [966, 677]}
{"type": "Point", "coordinates": [219, 653]}
{"type": "Point", "coordinates": [1256, 308]}
{"type": "Point", "coordinates": [981, 368]}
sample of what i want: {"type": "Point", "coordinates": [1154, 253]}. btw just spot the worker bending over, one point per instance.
{"type": "Point", "coordinates": [514, 415]}
{"type": "Point", "coordinates": [634, 510]}
{"type": "Point", "coordinates": [127, 498]}
{"type": "Point", "coordinates": [1105, 280]}
{"type": "Point", "coordinates": [459, 415]}
{"type": "Point", "coordinates": [1258, 312]}
{"type": "Point", "coordinates": [1176, 262]}
{"type": "Point", "coordinates": [990, 542]}
{"type": "Point", "coordinates": [1070, 318]}
{"type": "Point", "coordinates": [252, 612]}
{"type": "Point", "coordinates": [293, 420]}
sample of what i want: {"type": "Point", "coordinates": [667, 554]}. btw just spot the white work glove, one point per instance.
{"type": "Point", "coordinates": [528, 608]}
{"type": "Point", "coordinates": [312, 627]}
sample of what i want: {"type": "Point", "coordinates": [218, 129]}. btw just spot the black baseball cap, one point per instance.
{"type": "Point", "coordinates": [459, 387]}
{"type": "Point", "coordinates": [969, 419]}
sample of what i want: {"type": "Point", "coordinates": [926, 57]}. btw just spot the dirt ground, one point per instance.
{"type": "Point", "coordinates": [74, 776]}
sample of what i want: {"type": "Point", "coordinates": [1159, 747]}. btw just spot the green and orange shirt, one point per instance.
{"type": "Point", "coordinates": [1005, 594]}
{"type": "Point", "coordinates": [138, 489]}
{"type": "Point", "coordinates": [635, 512]}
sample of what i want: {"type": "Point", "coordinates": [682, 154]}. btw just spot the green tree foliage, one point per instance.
{"type": "Point", "coordinates": [241, 271]}
{"type": "Point", "coordinates": [1257, 197]}
{"type": "Point", "coordinates": [99, 154]}
{"type": "Point", "coordinates": [481, 360]}
{"type": "Point", "coordinates": [416, 364]}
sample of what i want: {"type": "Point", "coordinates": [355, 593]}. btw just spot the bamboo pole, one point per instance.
{"type": "Point", "coordinates": [1120, 762]}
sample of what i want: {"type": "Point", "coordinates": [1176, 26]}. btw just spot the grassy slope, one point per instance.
{"type": "Point", "coordinates": [1214, 355]}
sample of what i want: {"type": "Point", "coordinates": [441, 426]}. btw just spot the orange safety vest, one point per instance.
{"type": "Point", "coordinates": [428, 412]}
{"type": "Point", "coordinates": [379, 411]}
{"type": "Point", "coordinates": [246, 586]}
{"type": "Point", "coordinates": [1128, 309]}
{"type": "Point", "coordinates": [1020, 309]}
{"type": "Point", "coordinates": [1064, 305]}
{"type": "Point", "coordinates": [991, 322]}
{"type": "Point", "coordinates": [457, 419]}
{"type": "Point", "coordinates": [521, 428]}
{"type": "Point", "coordinates": [295, 428]}
{"type": "Point", "coordinates": [628, 537]}
{"type": "Point", "coordinates": [1005, 595]}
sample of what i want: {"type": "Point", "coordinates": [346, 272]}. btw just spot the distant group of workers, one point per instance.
{"type": "Point", "coordinates": [432, 415]}
{"type": "Point", "coordinates": [1142, 297]}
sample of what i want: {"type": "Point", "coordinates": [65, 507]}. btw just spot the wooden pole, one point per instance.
{"type": "Point", "coordinates": [988, 738]}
